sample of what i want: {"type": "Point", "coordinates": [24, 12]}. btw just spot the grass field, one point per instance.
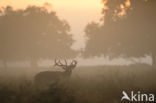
{"type": "Point", "coordinates": [103, 84]}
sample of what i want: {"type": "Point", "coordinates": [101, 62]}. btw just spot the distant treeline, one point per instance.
{"type": "Point", "coordinates": [34, 33]}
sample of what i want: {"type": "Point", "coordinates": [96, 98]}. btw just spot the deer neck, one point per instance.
{"type": "Point", "coordinates": [68, 72]}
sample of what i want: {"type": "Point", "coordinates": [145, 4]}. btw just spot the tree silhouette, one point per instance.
{"type": "Point", "coordinates": [130, 35]}
{"type": "Point", "coordinates": [34, 33]}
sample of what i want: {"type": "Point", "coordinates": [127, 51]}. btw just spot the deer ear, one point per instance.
{"type": "Point", "coordinates": [75, 62]}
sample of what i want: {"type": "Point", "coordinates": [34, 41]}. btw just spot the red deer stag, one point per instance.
{"type": "Point", "coordinates": [47, 78]}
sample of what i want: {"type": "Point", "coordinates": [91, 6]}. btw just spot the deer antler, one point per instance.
{"type": "Point", "coordinates": [58, 63]}
{"type": "Point", "coordinates": [65, 62]}
{"type": "Point", "coordinates": [66, 66]}
{"type": "Point", "coordinates": [63, 66]}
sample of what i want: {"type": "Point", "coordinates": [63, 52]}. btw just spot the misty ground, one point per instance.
{"type": "Point", "coordinates": [103, 84]}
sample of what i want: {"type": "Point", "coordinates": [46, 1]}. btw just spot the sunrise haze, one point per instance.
{"type": "Point", "coordinates": [78, 13]}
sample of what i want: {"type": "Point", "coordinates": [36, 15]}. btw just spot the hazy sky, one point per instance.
{"type": "Point", "coordinates": [77, 12]}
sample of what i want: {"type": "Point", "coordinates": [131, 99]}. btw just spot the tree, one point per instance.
{"type": "Point", "coordinates": [34, 33]}
{"type": "Point", "coordinates": [130, 33]}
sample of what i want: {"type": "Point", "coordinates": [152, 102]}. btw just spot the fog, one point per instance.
{"type": "Point", "coordinates": [39, 65]}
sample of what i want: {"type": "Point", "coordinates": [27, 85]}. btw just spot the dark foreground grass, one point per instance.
{"type": "Point", "coordinates": [87, 85]}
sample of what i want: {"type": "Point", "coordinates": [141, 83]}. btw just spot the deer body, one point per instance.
{"type": "Point", "coordinates": [50, 77]}
{"type": "Point", "coordinates": [47, 78]}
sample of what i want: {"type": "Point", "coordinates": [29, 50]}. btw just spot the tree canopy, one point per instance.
{"type": "Point", "coordinates": [129, 34]}
{"type": "Point", "coordinates": [34, 33]}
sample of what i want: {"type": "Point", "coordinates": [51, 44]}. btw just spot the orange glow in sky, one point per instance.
{"type": "Point", "coordinates": [77, 13]}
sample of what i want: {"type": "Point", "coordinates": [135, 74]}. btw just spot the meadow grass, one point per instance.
{"type": "Point", "coordinates": [102, 84]}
